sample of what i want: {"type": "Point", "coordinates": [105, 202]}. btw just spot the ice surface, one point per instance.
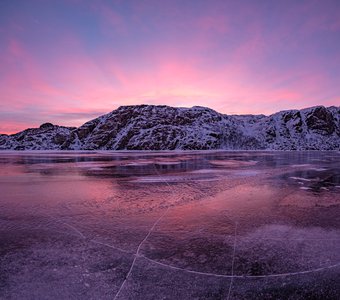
{"type": "Point", "coordinates": [174, 225]}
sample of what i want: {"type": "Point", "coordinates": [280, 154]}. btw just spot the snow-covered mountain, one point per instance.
{"type": "Point", "coordinates": [149, 127]}
{"type": "Point", "coordinates": [46, 137]}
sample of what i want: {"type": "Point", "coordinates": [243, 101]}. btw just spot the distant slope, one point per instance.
{"type": "Point", "coordinates": [149, 127]}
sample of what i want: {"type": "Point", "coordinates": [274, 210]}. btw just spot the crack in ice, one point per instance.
{"type": "Point", "coordinates": [68, 225]}
{"type": "Point", "coordinates": [239, 276]}
{"type": "Point", "coordinates": [111, 246]}
{"type": "Point", "coordinates": [136, 255]}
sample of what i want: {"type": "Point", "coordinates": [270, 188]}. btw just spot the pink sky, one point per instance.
{"type": "Point", "coordinates": [66, 62]}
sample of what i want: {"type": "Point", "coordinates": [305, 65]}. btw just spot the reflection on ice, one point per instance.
{"type": "Point", "coordinates": [233, 163]}
{"type": "Point", "coordinates": [300, 178]}
{"type": "Point", "coordinates": [117, 221]}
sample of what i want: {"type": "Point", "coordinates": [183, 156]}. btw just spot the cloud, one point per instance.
{"type": "Point", "coordinates": [230, 56]}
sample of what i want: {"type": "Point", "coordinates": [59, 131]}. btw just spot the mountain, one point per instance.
{"type": "Point", "coordinates": [150, 127]}
{"type": "Point", "coordinates": [46, 137]}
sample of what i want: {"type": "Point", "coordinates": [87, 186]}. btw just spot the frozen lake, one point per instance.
{"type": "Point", "coordinates": [170, 225]}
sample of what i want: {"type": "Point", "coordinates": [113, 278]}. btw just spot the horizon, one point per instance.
{"type": "Point", "coordinates": [68, 62]}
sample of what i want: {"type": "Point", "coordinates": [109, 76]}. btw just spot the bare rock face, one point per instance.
{"type": "Point", "coordinates": [3, 139]}
{"type": "Point", "coordinates": [321, 120]}
{"type": "Point", "coordinates": [150, 127]}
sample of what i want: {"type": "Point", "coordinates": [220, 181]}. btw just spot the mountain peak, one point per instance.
{"type": "Point", "coordinates": [161, 127]}
{"type": "Point", "coordinates": [46, 125]}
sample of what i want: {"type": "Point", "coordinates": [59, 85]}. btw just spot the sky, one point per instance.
{"type": "Point", "coordinates": [68, 61]}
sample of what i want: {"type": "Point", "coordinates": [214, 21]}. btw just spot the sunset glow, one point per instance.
{"type": "Point", "coordinates": [66, 62]}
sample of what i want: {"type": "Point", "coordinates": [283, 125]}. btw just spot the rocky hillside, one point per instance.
{"type": "Point", "coordinates": [149, 127]}
{"type": "Point", "coordinates": [46, 137]}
